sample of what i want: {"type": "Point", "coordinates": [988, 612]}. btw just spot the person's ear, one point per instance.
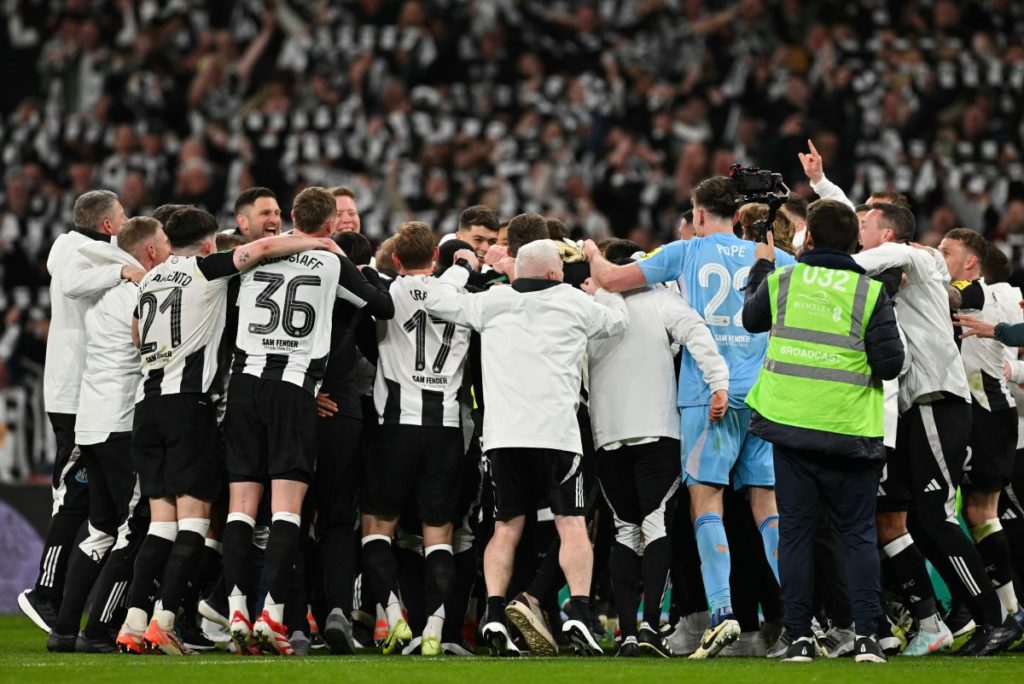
{"type": "Point", "coordinates": [395, 261]}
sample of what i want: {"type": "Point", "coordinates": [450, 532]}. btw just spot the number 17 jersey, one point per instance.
{"type": "Point", "coordinates": [712, 273]}
{"type": "Point", "coordinates": [419, 372]}
{"type": "Point", "coordinates": [285, 308]}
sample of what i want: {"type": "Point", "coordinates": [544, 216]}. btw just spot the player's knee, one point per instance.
{"type": "Point", "coordinates": [654, 526]}
{"type": "Point", "coordinates": [890, 526]}
{"type": "Point", "coordinates": [630, 536]}
{"type": "Point", "coordinates": [97, 544]}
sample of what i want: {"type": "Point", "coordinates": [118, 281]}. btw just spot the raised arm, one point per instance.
{"type": "Point", "coordinates": [356, 287]}
{"type": "Point", "coordinates": [247, 256]}
{"type": "Point", "coordinates": [607, 315]}
{"type": "Point", "coordinates": [83, 278]}
{"type": "Point", "coordinates": [685, 326]}
{"type": "Point", "coordinates": [611, 277]}
{"type": "Point", "coordinates": [815, 171]}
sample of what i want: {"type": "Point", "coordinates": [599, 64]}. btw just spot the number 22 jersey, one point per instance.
{"type": "Point", "coordinates": [285, 308]}
{"type": "Point", "coordinates": [712, 272]}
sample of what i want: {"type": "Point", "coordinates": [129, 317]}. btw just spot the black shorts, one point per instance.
{"type": "Point", "coordinates": [269, 430]}
{"type": "Point", "coordinates": [925, 468]}
{"type": "Point", "coordinates": [993, 447]}
{"type": "Point", "coordinates": [174, 447]}
{"type": "Point", "coordinates": [411, 460]}
{"type": "Point", "coordinates": [639, 483]}
{"type": "Point", "coordinates": [524, 477]}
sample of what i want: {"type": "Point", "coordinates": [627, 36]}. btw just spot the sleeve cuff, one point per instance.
{"type": "Point", "coordinates": [720, 385]}
{"type": "Point", "coordinates": [456, 276]}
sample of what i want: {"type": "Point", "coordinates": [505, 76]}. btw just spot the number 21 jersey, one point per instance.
{"type": "Point", "coordinates": [285, 307]}
{"type": "Point", "coordinates": [181, 311]}
{"type": "Point", "coordinates": [419, 371]}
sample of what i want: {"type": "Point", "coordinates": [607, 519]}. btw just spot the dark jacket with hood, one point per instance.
{"type": "Point", "coordinates": [881, 343]}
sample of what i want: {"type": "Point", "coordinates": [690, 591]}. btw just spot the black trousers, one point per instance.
{"type": "Point", "coordinates": [807, 483]}
{"type": "Point", "coordinates": [70, 508]}
{"type": "Point", "coordinates": [335, 492]}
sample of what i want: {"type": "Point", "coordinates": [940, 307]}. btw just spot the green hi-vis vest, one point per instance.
{"type": "Point", "coordinates": [816, 373]}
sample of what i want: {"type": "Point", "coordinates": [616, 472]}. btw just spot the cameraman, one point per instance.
{"type": "Point", "coordinates": [717, 449]}
{"type": "Point", "coordinates": [818, 399]}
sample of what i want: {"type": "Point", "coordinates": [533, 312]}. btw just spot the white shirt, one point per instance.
{"type": "Point", "coordinates": [285, 309]}
{"type": "Point", "coordinates": [112, 363]}
{"type": "Point", "coordinates": [421, 361]}
{"type": "Point", "coordinates": [65, 346]}
{"type": "Point", "coordinates": [632, 376]}
{"type": "Point", "coordinates": [532, 349]}
{"type": "Point", "coordinates": [923, 308]}
{"type": "Point", "coordinates": [983, 357]}
{"type": "Point", "coordinates": [182, 309]}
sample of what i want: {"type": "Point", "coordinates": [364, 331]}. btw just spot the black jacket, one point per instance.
{"type": "Point", "coordinates": [881, 343]}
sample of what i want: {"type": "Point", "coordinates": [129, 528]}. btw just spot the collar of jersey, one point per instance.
{"type": "Point", "coordinates": [533, 284]}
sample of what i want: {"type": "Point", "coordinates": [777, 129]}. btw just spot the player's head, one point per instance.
{"type": "Point", "coordinates": [227, 241]}
{"type": "Point", "coordinates": [539, 259]}
{"type": "Point", "coordinates": [257, 213]}
{"type": "Point", "coordinates": [99, 211]}
{"type": "Point", "coordinates": [886, 223]}
{"type": "Point", "coordinates": [446, 254]}
{"type": "Point", "coordinates": [524, 229]}
{"type": "Point", "coordinates": [164, 212]}
{"type": "Point", "coordinates": [995, 268]}
{"type": "Point", "coordinates": [621, 252]}
{"type": "Point", "coordinates": [383, 256]}
{"type": "Point", "coordinates": [192, 232]}
{"type": "Point", "coordinates": [503, 234]}
{"type": "Point", "coordinates": [355, 246]}
{"type": "Point", "coordinates": [964, 251]}
{"type": "Point", "coordinates": [314, 211]}
{"type": "Point", "coordinates": [478, 225]}
{"type": "Point", "coordinates": [557, 230]}
{"type": "Point", "coordinates": [144, 239]}
{"type": "Point", "coordinates": [714, 206]}
{"type": "Point", "coordinates": [414, 247]}
{"type": "Point", "coordinates": [348, 215]}
{"type": "Point", "coordinates": [831, 225]}
{"type": "Point", "coordinates": [886, 197]}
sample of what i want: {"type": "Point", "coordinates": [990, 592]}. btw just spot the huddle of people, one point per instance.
{"type": "Point", "coordinates": [289, 442]}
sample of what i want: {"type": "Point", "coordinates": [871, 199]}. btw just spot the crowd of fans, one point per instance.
{"type": "Point", "coordinates": [603, 113]}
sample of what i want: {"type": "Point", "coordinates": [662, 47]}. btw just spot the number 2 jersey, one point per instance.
{"type": "Point", "coordinates": [712, 272]}
{"type": "Point", "coordinates": [181, 312]}
{"type": "Point", "coordinates": [419, 371]}
{"type": "Point", "coordinates": [284, 318]}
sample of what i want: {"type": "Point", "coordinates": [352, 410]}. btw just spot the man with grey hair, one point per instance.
{"type": "Point", "coordinates": [530, 434]}
{"type": "Point", "coordinates": [110, 378]}
{"type": "Point", "coordinates": [74, 285]}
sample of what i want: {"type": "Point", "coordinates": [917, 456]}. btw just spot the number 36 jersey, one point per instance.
{"type": "Point", "coordinates": [419, 371]}
{"type": "Point", "coordinates": [285, 308]}
{"type": "Point", "coordinates": [181, 311]}
{"type": "Point", "coordinates": [712, 273]}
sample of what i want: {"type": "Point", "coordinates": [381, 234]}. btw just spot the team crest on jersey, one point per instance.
{"type": "Point", "coordinates": [82, 476]}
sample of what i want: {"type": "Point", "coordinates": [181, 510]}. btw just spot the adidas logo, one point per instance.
{"type": "Point", "coordinates": [932, 486]}
{"type": "Point", "coordinates": [1009, 514]}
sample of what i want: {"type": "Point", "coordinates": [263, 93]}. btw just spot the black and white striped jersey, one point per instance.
{"type": "Point", "coordinates": [422, 357]}
{"type": "Point", "coordinates": [181, 311]}
{"type": "Point", "coordinates": [284, 318]}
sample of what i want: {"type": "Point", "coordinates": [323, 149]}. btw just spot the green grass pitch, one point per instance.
{"type": "Point", "coordinates": [23, 658]}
